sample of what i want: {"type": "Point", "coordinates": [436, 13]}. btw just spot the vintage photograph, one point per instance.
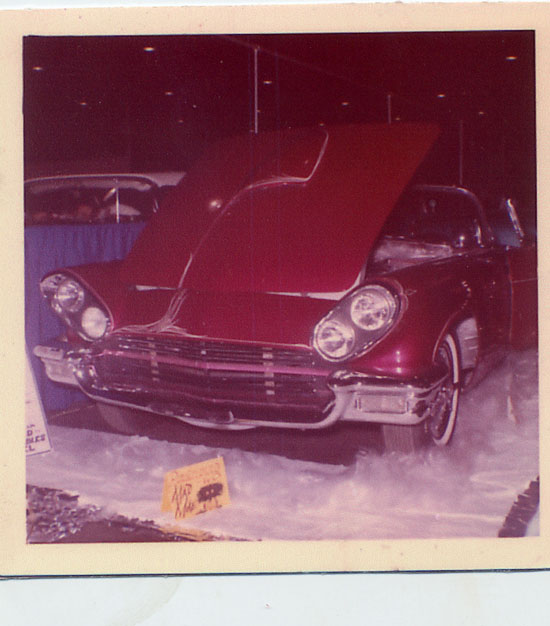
{"type": "Point", "coordinates": [281, 287]}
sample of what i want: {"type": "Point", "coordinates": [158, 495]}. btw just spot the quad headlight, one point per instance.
{"type": "Point", "coordinates": [69, 296]}
{"type": "Point", "coordinates": [94, 322]}
{"type": "Point", "coordinates": [334, 339]}
{"type": "Point", "coordinates": [373, 308]}
{"type": "Point", "coordinates": [76, 306]}
{"type": "Point", "coordinates": [356, 323]}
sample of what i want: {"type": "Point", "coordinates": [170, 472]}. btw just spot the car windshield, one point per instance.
{"type": "Point", "coordinates": [436, 215]}
{"type": "Point", "coordinates": [93, 200]}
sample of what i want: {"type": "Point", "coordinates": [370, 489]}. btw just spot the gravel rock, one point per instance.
{"type": "Point", "coordinates": [54, 516]}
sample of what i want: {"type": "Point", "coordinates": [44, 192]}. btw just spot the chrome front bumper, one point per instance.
{"type": "Point", "coordinates": [357, 397]}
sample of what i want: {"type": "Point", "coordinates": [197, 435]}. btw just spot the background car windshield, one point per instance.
{"type": "Point", "coordinates": [103, 200]}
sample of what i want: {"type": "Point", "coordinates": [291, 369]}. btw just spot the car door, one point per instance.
{"type": "Point", "coordinates": [520, 250]}
{"type": "Point", "coordinates": [523, 280]}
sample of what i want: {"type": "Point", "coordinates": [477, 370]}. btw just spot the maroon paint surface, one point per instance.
{"type": "Point", "coordinates": [263, 257]}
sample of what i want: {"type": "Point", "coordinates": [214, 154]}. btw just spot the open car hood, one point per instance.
{"type": "Point", "coordinates": [295, 211]}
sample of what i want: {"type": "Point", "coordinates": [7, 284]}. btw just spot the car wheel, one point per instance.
{"type": "Point", "coordinates": [121, 419]}
{"type": "Point", "coordinates": [439, 427]}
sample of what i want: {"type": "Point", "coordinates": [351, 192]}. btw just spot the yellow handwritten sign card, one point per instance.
{"type": "Point", "coordinates": [195, 489]}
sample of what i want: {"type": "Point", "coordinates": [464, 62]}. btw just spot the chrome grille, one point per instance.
{"type": "Point", "coordinates": [214, 373]}
{"type": "Point", "coordinates": [212, 351]}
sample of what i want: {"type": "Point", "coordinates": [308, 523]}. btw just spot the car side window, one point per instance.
{"type": "Point", "coordinates": [436, 216]}
{"type": "Point", "coordinates": [509, 229]}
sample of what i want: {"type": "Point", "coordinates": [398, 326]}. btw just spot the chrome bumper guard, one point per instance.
{"type": "Point", "coordinates": [357, 397]}
{"type": "Point", "coordinates": [60, 364]}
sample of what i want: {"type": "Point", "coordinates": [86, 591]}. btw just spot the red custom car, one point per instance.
{"type": "Point", "coordinates": [299, 278]}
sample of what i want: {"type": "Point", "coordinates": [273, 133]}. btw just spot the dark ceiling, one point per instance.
{"type": "Point", "coordinates": [151, 102]}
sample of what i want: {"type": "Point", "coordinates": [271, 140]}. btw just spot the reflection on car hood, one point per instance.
{"type": "Point", "coordinates": [295, 211]}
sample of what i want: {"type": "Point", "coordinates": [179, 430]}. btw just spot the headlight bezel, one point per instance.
{"type": "Point", "coordinates": [342, 314]}
{"type": "Point", "coordinates": [73, 313]}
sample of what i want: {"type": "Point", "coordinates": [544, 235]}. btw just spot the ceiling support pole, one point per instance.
{"type": "Point", "coordinates": [461, 152]}
{"type": "Point", "coordinates": [256, 90]}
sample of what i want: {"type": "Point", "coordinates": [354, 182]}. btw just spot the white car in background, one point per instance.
{"type": "Point", "coordinates": [96, 198]}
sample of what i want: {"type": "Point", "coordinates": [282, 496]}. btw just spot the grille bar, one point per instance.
{"type": "Point", "coordinates": [205, 363]}
{"type": "Point", "coordinates": [212, 351]}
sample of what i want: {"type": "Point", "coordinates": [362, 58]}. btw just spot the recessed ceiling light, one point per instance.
{"type": "Point", "coordinates": [511, 57]}
{"type": "Point", "coordinates": [481, 113]}
{"type": "Point", "coordinates": [345, 103]}
{"type": "Point", "coordinates": [83, 103]}
{"type": "Point", "coordinates": [38, 68]}
{"type": "Point", "coordinates": [441, 95]}
{"type": "Point", "coordinates": [268, 82]}
{"type": "Point", "coordinates": [168, 93]}
{"type": "Point", "coordinates": [149, 49]}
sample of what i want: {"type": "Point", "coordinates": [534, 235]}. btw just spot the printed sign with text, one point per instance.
{"type": "Point", "coordinates": [36, 433]}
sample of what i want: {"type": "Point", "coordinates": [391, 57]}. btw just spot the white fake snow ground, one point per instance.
{"type": "Point", "coordinates": [464, 490]}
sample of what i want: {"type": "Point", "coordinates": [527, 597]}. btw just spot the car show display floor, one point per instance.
{"type": "Point", "coordinates": [464, 490]}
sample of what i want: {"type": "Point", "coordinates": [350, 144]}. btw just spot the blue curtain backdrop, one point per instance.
{"type": "Point", "coordinates": [53, 247]}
